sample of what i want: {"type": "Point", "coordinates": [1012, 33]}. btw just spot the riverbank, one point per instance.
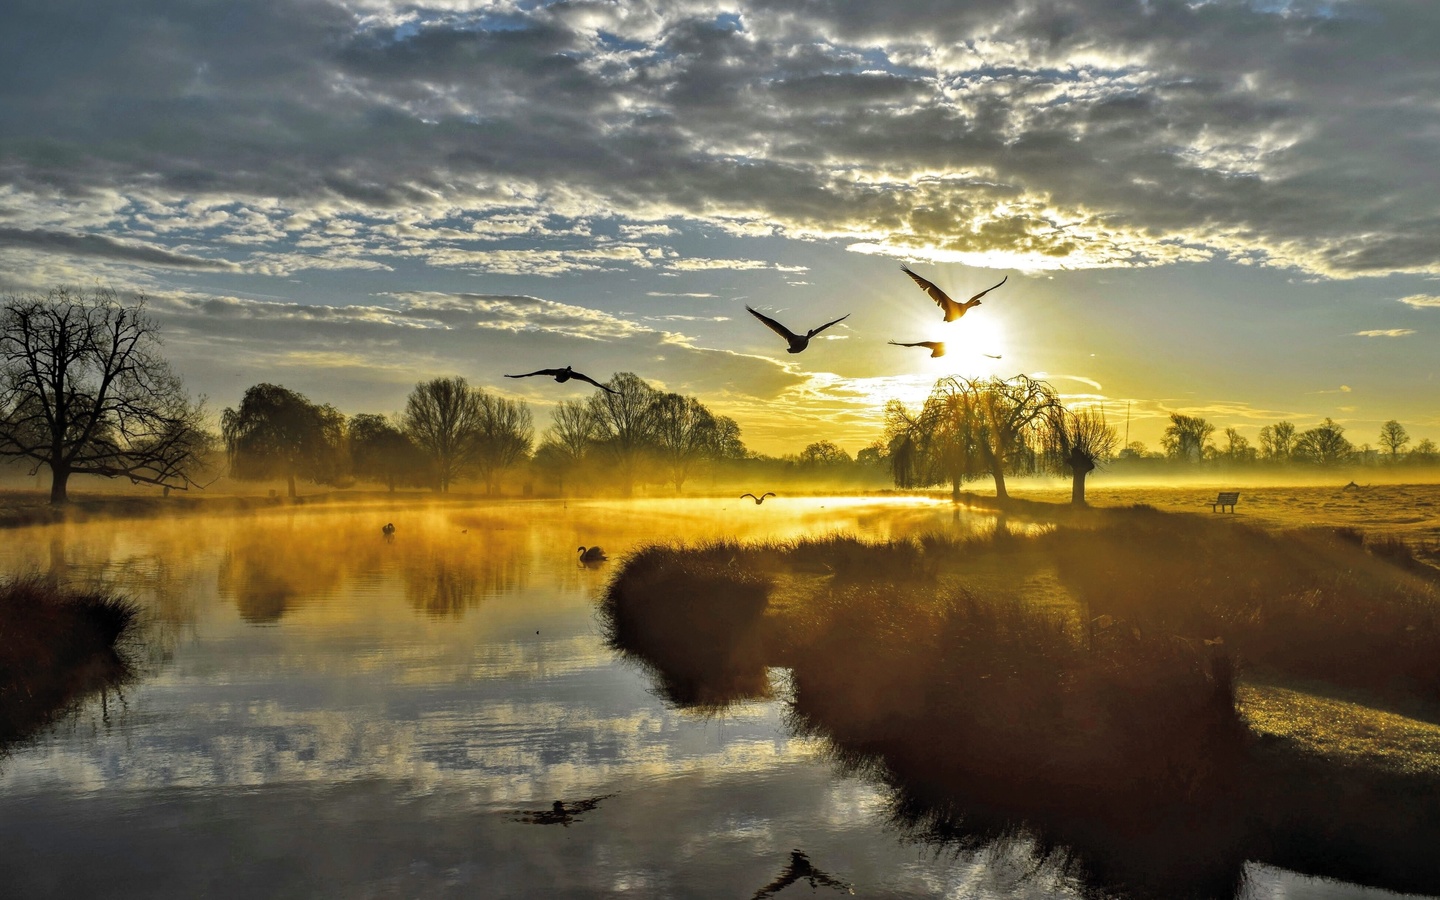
{"type": "Point", "coordinates": [1121, 683]}
{"type": "Point", "coordinates": [56, 646]}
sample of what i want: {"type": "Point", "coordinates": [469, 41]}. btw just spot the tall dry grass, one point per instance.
{"type": "Point", "coordinates": [55, 647]}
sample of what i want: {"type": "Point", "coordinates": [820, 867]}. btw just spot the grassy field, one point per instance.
{"type": "Point", "coordinates": [1125, 683]}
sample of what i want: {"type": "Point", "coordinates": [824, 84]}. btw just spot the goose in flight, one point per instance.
{"type": "Point", "coordinates": [592, 555]}
{"type": "Point", "coordinates": [758, 500]}
{"type": "Point", "coordinates": [564, 375]}
{"type": "Point", "coordinates": [993, 355]}
{"type": "Point", "coordinates": [936, 348]}
{"type": "Point", "coordinates": [952, 309]}
{"type": "Point", "coordinates": [797, 342]}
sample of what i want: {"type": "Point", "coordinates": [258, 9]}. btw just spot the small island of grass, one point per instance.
{"type": "Point", "coordinates": [56, 647]}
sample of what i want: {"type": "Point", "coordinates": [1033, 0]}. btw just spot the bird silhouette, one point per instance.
{"type": "Point", "coordinates": [560, 812]}
{"type": "Point", "coordinates": [592, 555]}
{"type": "Point", "coordinates": [564, 375]}
{"type": "Point", "coordinates": [798, 342]}
{"type": "Point", "coordinates": [952, 309]}
{"type": "Point", "coordinates": [388, 530]}
{"type": "Point", "coordinates": [798, 868]}
{"type": "Point", "coordinates": [936, 348]}
{"type": "Point", "coordinates": [993, 355]}
{"type": "Point", "coordinates": [758, 500]}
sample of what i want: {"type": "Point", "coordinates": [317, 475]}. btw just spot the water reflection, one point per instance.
{"type": "Point", "coordinates": [561, 812]}
{"type": "Point", "coordinates": [406, 698]}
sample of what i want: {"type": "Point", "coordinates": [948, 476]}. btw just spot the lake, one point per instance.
{"type": "Point", "coordinates": [325, 712]}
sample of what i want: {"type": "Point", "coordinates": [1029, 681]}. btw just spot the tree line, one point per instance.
{"type": "Point", "coordinates": [1192, 440]}
{"type": "Point", "coordinates": [451, 430]}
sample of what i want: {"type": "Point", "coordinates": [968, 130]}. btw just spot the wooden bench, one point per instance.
{"type": "Point", "coordinates": [1226, 498]}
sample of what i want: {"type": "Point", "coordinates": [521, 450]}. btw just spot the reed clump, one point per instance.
{"type": "Point", "coordinates": [55, 646]}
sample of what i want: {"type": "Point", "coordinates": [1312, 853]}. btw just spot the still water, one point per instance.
{"type": "Point", "coordinates": [324, 712]}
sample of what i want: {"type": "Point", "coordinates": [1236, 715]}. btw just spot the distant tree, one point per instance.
{"type": "Point", "coordinates": [380, 451]}
{"type": "Point", "coordinates": [728, 444]}
{"type": "Point", "coordinates": [1277, 442]}
{"type": "Point", "coordinates": [1237, 447]}
{"type": "Point", "coordinates": [442, 416]}
{"type": "Point", "coordinates": [1393, 437]}
{"type": "Point", "coordinates": [503, 436]}
{"type": "Point", "coordinates": [1078, 442]}
{"type": "Point", "coordinates": [1135, 450]}
{"type": "Point", "coordinates": [84, 391]}
{"type": "Point", "coordinates": [1425, 453]}
{"type": "Point", "coordinates": [683, 432]}
{"type": "Point", "coordinates": [1187, 437]}
{"type": "Point", "coordinates": [278, 433]}
{"type": "Point", "coordinates": [625, 425]}
{"type": "Point", "coordinates": [986, 426]}
{"type": "Point", "coordinates": [873, 456]}
{"type": "Point", "coordinates": [1324, 445]}
{"type": "Point", "coordinates": [572, 434]}
{"type": "Point", "coordinates": [823, 453]}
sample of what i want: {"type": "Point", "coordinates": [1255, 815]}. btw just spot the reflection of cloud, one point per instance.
{"type": "Point", "coordinates": [1384, 332]}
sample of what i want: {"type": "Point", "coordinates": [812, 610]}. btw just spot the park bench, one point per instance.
{"type": "Point", "coordinates": [1226, 498]}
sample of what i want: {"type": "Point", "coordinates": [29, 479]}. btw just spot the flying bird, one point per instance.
{"type": "Point", "coordinates": [993, 355]}
{"type": "Point", "coordinates": [564, 375]}
{"type": "Point", "coordinates": [592, 555]}
{"type": "Point", "coordinates": [936, 348]}
{"type": "Point", "coordinates": [798, 342]}
{"type": "Point", "coordinates": [760, 499]}
{"type": "Point", "coordinates": [952, 309]}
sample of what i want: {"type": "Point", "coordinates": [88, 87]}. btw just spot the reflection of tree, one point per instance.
{"type": "Point", "coordinates": [447, 574]}
{"type": "Point", "coordinates": [266, 573]}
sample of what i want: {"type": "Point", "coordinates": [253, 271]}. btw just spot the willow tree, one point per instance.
{"type": "Point", "coordinates": [976, 427]}
{"type": "Point", "coordinates": [84, 391]}
{"type": "Point", "coordinates": [278, 433]}
{"type": "Point", "coordinates": [1078, 442]}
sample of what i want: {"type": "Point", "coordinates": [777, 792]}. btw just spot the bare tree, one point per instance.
{"type": "Point", "coordinates": [684, 433]}
{"type": "Point", "coordinates": [278, 433]}
{"type": "Point", "coordinates": [1324, 445]}
{"type": "Point", "coordinates": [84, 391]}
{"type": "Point", "coordinates": [1079, 442]}
{"type": "Point", "coordinates": [442, 416]}
{"type": "Point", "coordinates": [904, 435]}
{"type": "Point", "coordinates": [1237, 447]}
{"type": "Point", "coordinates": [503, 437]}
{"type": "Point", "coordinates": [1187, 438]}
{"type": "Point", "coordinates": [1277, 442]}
{"type": "Point", "coordinates": [823, 453]}
{"type": "Point", "coordinates": [625, 423]}
{"type": "Point", "coordinates": [1394, 437]}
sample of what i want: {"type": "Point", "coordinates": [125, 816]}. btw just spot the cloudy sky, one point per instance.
{"type": "Point", "coordinates": [1227, 208]}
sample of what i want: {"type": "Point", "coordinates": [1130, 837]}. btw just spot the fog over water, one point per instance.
{"type": "Point", "coordinates": [324, 712]}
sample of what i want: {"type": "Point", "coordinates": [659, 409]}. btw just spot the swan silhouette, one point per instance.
{"type": "Point", "coordinates": [564, 375]}
{"type": "Point", "coordinates": [592, 555]}
{"type": "Point", "coordinates": [798, 342]}
{"type": "Point", "coordinates": [758, 500]}
{"type": "Point", "coordinates": [936, 348]}
{"type": "Point", "coordinates": [952, 309]}
{"type": "Point", "coordinates": [388, 529]}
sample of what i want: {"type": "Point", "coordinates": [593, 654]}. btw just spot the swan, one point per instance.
{"type": "Point", "coordinates": [760, 499]}
{"type": "Point", "coordinates": [388, 529]}
{"type": "Point", "coordinates": [798, 342]}
{"type": "Point", "coordinates": [952, 309]}
{"type": "Point", "coordinates": [592, 555]}
{"type": "Point", "coordinates": [564, 375]}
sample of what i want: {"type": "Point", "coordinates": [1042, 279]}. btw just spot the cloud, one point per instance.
{"type": "Point", "coordinates": [105, 247]}
{"type": "Point", "coordinates": [1421, 301]}
{"type": "Point", "coordinates": [1076, 134]}
{"type": "Point", "coordinates": [1385, 332]}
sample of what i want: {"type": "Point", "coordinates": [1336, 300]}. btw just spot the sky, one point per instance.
{"type": "Point", "coordinates": [1224, 208]}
